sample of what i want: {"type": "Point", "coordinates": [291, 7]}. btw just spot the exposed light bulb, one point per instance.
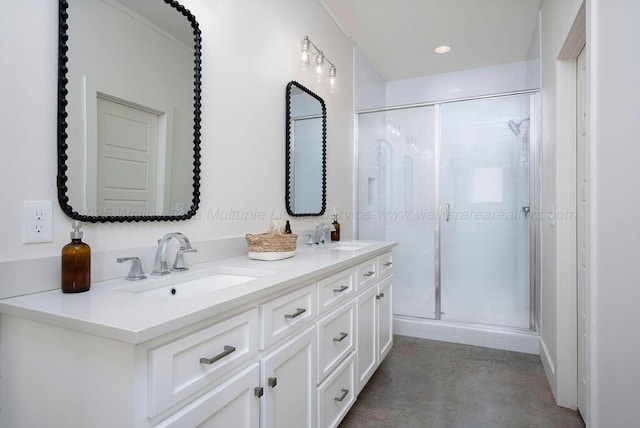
{"type": "Point", "coordinates": [304, 56]}
{"type": "Point", "coordinates": [442, 49]}
{"type": "Point", "coordinates": [333, 86]}
{"type": "Point", "coordinates": [319, 66]}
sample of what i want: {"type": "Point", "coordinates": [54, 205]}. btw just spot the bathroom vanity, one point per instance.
{"type": "Point", "coordinates": [289, 343]}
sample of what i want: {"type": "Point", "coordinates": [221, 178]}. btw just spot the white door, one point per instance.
{"type": "Point", "coordinates": [581, 232]}
{"type": "Point", "coordinates": [289, 380]}
{"type": "Point", "coordinates": [127, 159]}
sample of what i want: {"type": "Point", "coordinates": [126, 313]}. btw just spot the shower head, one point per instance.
{"type": "Point", "coordinates": [515, 127]}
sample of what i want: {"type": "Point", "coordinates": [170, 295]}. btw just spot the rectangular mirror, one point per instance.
{"type": "Point", "coordinates": [306, 152]}
{"type": "Point", "coordinates": [128, 110]}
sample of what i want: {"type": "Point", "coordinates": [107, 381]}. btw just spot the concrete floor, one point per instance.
{"type": "Point", "coordinates": [426, 383]}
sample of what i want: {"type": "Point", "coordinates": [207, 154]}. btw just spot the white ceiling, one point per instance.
{"type": "Point", "coordinates": [399, 36]}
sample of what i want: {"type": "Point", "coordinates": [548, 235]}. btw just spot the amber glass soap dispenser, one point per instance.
{"type": "Point", "coordinates": [76, 263]}
{"type": "Point", "coordinates": [335, 234]}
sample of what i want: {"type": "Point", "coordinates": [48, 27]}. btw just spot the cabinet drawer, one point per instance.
{"type": "Point", "coordinates": [335, 290]}
{"type": "Point", "coordinates": [180, 368]}
{"type": "Point", "coordinates": [385, 265]}
{"type": "Point", "coordinates": [282, 316]}
{"type": "Point", "coordinates": [366, 274]}
{"type": "Point", "coordinates": [337, 394]}
{"type": "Point", "coordinates": [232, 403]}
{"type": "Point", "coordinates": [336, 338]}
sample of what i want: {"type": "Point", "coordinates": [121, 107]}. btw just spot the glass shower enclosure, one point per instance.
{"type": "Point", "coordinates": [453, 183]}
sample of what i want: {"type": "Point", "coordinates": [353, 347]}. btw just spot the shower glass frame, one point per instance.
{"type": "Point", "coordinates": [534, 192]}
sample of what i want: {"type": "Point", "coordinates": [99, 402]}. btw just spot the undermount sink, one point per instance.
{"type": "Point", "coordinates": [196, 284]}
{"type": "Point", "coordinates": [348, 246]}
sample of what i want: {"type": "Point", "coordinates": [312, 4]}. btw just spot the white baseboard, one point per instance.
{"type": "Point", "coordinates": [549, 366]}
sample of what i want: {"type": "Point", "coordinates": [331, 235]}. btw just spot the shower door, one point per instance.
{"type": "Point", "coordinates": [396, 199]}
{"type": "Point", "coordinates": [484, 198]}
{"type": "Point", "coordinates": [450, 182]}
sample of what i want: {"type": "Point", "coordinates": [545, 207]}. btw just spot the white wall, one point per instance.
{"type": "Point", "coordinates": [557, 18]}
{"type": "Point", "coordinates": [250, 51]}
{"type": "Point", "coordinates": [612, 130]}
{"type": "Point", "coordinates": [533, 59]}
{"type": "Point", "coordinates": [369, 85]}
{"type": "Point", "coordinates": [493, 79]}
{"type": "Point", "coordinates": [613, 32]}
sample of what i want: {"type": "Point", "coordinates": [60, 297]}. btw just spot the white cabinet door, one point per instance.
{"type": "Point", "coordinates": [288, 376]}
{"type": "Point", "coordinates": [385, 318]}
{"type": "Point", "coordinates": [234, 403]}
{"type": "Point", "coordinates": [367, 361]}
{"type": "Point", "coordinates": [336, 394]}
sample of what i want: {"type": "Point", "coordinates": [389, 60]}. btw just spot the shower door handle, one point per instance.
{"type": "Point", "coordinates": [447, 212]}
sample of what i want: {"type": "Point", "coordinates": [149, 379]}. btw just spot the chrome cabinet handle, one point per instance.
{"type": "Point", "coordinates": [341, 337]}
{"type": "Point", "coordinates": [379, 296]}
{"type": "Point", "coordinates": [258, 391]}
{"type": "Point", "coordinates": [341, 289]}
{"type": "Point", "coordinates": [227, 350]}
{"type": "Point", "coordinates": [448, 212]}
{"type": "Point", "coordinates": [387, 264]}
{"type": "Point", "coordinates": [299, 312]}
{"type": "Point", "coordinates": [342, 396]}
{"type": "Point", "coordinates": [272, 381]}
{"type": "Point", "coordinates": [368, 274]}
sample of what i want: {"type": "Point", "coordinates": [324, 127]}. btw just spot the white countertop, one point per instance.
{"type": "Point", "coordinates": [136, 318]}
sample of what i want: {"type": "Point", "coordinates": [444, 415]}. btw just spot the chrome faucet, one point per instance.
{"type": "Point", "coordinates": [160, 266]}
{"type": "Point", "coordinates": [136, 272]}
{"type": "Point", "coordinates": [319, 236]}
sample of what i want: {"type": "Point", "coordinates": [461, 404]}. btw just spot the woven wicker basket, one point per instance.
{"type": "Point", "coordinates": [271, 246]}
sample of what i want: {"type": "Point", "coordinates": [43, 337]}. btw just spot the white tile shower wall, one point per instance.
{"type": "Point", "coordinates": [487, 336]}
{"type": "Point", "coordinates": [460, 84]}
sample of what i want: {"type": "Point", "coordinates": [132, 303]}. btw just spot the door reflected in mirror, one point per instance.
{"type": "Point", "coordinates": [129, 110]}
{"type": "Point", "coordinates": [306, 152]}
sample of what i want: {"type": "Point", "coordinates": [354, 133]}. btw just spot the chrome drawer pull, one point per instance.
{"type": "Point", "coordinates": [387, 264]}
{"type": "Point", "coordinates": [341, 338]}
{"type": "Point", "coordinates": [273, 381]}
{"type": "Point", "coordinates": [341, 289]}
{"type": "Point", "coordinates": [299, 312]}
{"type": "Point", "coordinates": [227, 350]}
{"type": "Point", "coordinates": [342, 396]}
{"type": "Point", "coordinates": [369, 273]}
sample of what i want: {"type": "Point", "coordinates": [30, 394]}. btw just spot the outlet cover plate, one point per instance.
{"type": "Point", "coordinates": [38, 222]}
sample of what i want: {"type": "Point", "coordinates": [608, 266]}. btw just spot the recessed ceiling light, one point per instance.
{"type": "Point", "coordinates": [442, 49]}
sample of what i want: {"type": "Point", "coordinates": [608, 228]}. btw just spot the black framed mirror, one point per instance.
{"type": "Point", "coordinates": [306, 152]}
{"type": "Point", "coordinates": [129, 74]}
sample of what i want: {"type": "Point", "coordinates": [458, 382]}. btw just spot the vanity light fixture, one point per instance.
{"type": "Point", "coordinates": [319, 64]}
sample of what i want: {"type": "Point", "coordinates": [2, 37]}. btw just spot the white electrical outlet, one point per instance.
{"type": "Point", "coordinates": [38, 222]}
